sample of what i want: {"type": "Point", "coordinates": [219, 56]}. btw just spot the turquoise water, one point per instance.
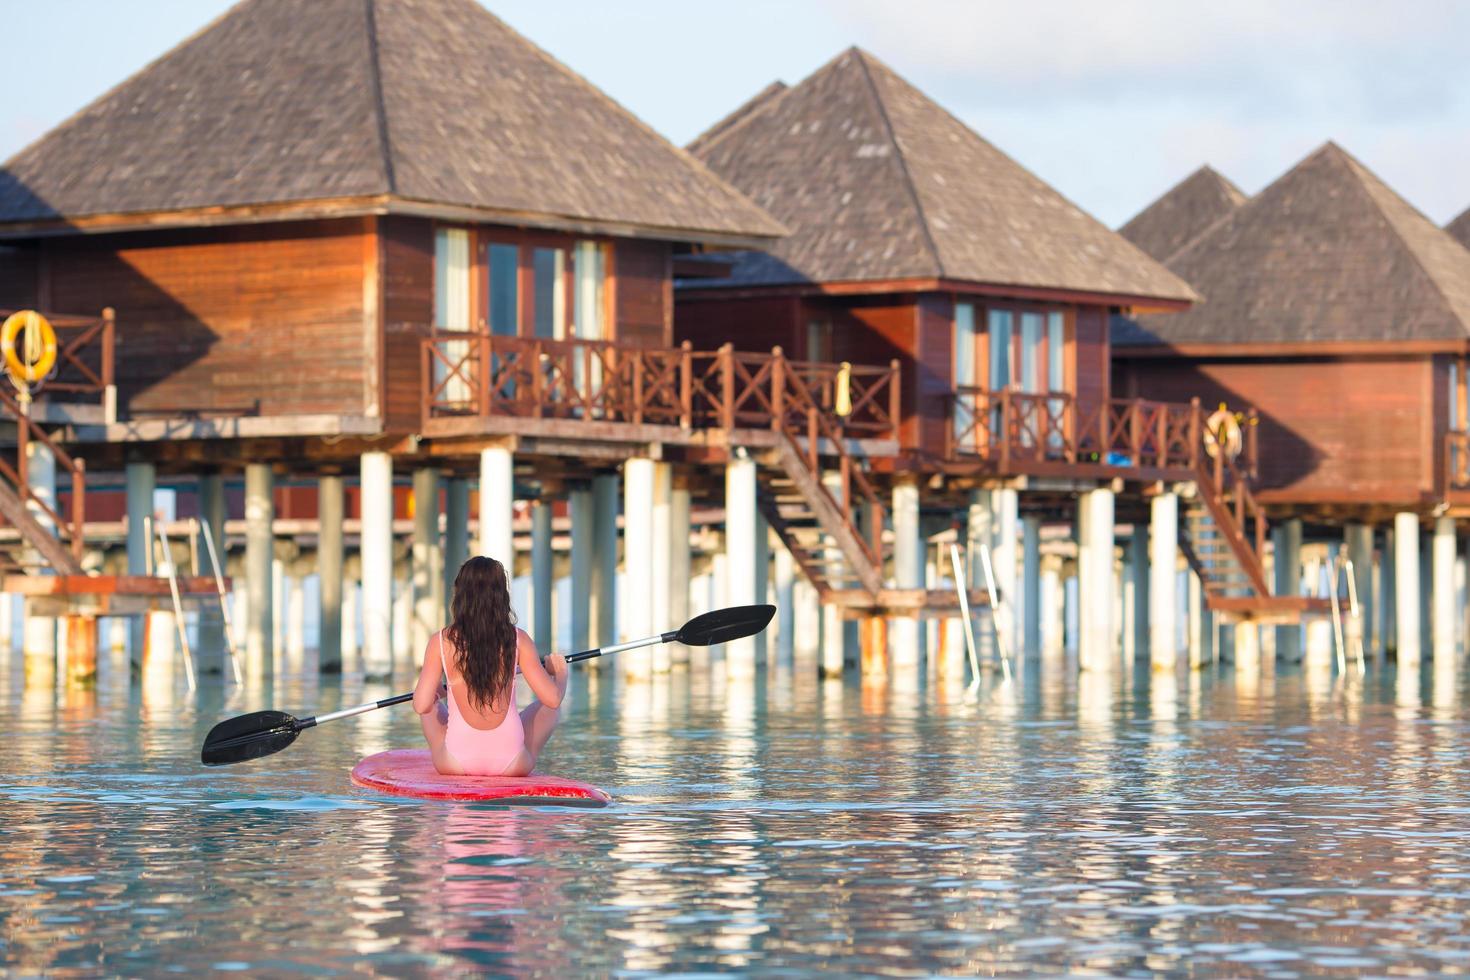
{"type": "Point", "coordinates": [1271, 823]}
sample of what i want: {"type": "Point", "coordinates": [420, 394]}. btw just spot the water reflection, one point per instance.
{"type": "Point", "coordinates": [1249, 818]}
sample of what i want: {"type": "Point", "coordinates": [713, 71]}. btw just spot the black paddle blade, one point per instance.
{"type": "Point", "coordinates": [248, 737]}
{"type": "Point", "coordinates": [724, 625]}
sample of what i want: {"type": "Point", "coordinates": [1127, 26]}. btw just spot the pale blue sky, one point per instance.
{"type": "Point", "coordinates": [1110, 102]}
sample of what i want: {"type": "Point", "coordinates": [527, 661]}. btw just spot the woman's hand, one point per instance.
{"type": "Point", "coordinates": [557, 665]}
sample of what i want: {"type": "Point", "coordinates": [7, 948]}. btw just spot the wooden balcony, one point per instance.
{"type": "Point", "coordinates": [81, 388]}
{"type": "Point", "coordinates": [1045, 434]}
{"type": "Point", "coordinates": [479, 382]}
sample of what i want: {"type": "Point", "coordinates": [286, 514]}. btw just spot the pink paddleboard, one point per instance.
{"type": "Point", "coordinates": [411, 772]}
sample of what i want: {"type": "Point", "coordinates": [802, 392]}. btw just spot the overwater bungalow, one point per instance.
{"type": "Point", "coordinates": [1343, 315]}
{"type": "Point", "coordinates": [346, 241]}
{"type": "Point", "coordinates": [914, 240]}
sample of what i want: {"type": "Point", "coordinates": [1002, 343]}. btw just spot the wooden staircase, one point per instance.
{"type": "Point", "coordinates": [39, 549]}
{"type": "Point", "coordinates": [1222, 533]}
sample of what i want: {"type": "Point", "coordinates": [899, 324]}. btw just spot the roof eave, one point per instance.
{"type": "Point", "coordinates": [1328, 348]}
{"type": "Point", "coordinates": [930, 284]}
{"type": "Point", "coordinates": [377, 205]}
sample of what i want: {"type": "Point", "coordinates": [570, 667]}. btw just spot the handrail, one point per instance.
{"type": "Point", "coordinates": [477, 373]}
{"type": "Point", "coordinates": [27, 430]}
{"type": "Point", "coordinates": [85, 349]}
{"type": "Point", "coordinates": [1013, 426]}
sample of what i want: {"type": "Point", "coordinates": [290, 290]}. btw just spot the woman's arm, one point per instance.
{"type": "Point", "coordinates": [548, 689]}
{"type": "Point", "coordinates": [431, 674]}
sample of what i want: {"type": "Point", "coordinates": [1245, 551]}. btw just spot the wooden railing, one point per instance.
{"type": "Point", "coordinates": [1015, 427]}
{"type": "Point", "coordinates": [18, 475]}
{"type": "Point", "coordinates": [480, 374]}
{"type": "Point", "coordinates": [85, 349]}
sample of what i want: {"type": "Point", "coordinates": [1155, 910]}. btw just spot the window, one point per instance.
{"type": "Point", "coordinates": [452, 306]}
{"type": "Point", "coordinates": [503, 296]}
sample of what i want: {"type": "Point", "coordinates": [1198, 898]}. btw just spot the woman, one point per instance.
{"type": "Point", "coordinates": [471, 724]}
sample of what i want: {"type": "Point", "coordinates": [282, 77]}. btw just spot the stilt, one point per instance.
{"type": "Point", "coordinates": [602, 606]}
{"type": "Point", "coordinates": [584, 541]}
{"type": "Point", "coordinates": [456, 534]}
{"type": "Point", "coordinates": [908, 573]}
{"type": "Point", "coordinates": [428, 579]}
{"type": "Point", "coordinates": [1004, 556]}
{"type": "Point", "coordinates": [785, 575]}
{"type": "Point", "coordinates": [1033, 603]}
{"type": "Point", "coordinates": [38, 636]}
{"type": "Point", "coordinates": [401, 630]}
{"type": "Point", "coordinates": [661, 570]}
{"type": "Point", "coordinates": [1359, 541]}
{"type": "Point", "coordinates": [497, 507]}
{"type": "Point", "coordinates": [79, 632]}
{"type": "Point", "coordinates": [376, 480]}
{"type": "Point", "coordinates": [980, 531]}
{"type": "Point", "coordinates": [1286, 539]}
{"type": "Point", "coordinates": [1387, 598]}
{"type": "Point", "coordinates": [260, 515]}
{"type": "Point", "coordinates": [141, 481]}
{"type": "Point", "coordinates": [834, 642]}
{"type": "Point", "coordinates": [295, 621]}
{"type": "Point", "coordinates": [541, 578]}
{"type": "Point", "coordinates": [1406, 588]}
{"type": "Point", "coordinates": [1136, 631]}
{"type": "Point", "coordinates": [1052, 609]}
{"type": "Point", "coordinates": [351, 611]}
{"type": "Point", "coordinates": [741, 528]}
{"type": "Point", "coordinates": [1445, 627]}
{"type": "Point", "coordinates": [1095, 580]}
{"type": "Point", "coordinates": [329, 556]}
{"type": "Point", "coordinates": [762, 580]}
{"type": "Point", "coordinates": [679, 564]}
{"type": "Point", "coordinates": [1163, 595]}
{"type": "Point", "coordinates": [213, 652]}
{"type": "Point", "coordinates": [1195, 629]}
{"type": "Point", "coordinates": [637, 619]}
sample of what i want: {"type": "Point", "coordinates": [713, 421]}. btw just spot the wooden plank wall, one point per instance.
{"type": "Point", "coordinates": [877, 330]}
{"type": "Point", "coordinates": [750, 324]}
{"type": "Point", "coordinates": [256, 319]}
{"type": "Point", "coordinates": [18, 268]}
{"type": "Point", "coordinates": [1091, 368]}
{"type": "Point", "coordinates": [1331, 431]}
{"type": "Point", "coordinates": [644, 271]}
{"type": "Point", "coordinates": [408, 308]}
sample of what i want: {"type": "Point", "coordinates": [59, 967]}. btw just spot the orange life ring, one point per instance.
{"type": "Point", "coordinates": [37, 356]}
{"type": "Point", "coordinates": [1222, 432]}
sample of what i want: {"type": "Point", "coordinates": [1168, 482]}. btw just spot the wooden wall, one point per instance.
{"type": "Point", "coordinates": [258, 319]}
{"type": "Point", "coordinates": [1331, 431]}
{"type": "Point", "coordinates": [18, 269]}
{"type": "Point", "coordinates": [1091, 368]}
{"type": "Point", "coordinates": [878, 329]}
{"type": "Point", "coordinates": [407, 273]}
{"type": "Point", "coordinates": [750, 324]}
{"type": "Point", "coordinates": [644, 293]}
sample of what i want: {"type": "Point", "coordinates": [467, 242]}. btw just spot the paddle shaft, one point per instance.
{"type": "Point", "coordinates": [647, 641]}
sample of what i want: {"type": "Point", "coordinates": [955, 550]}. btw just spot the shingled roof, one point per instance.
{"type": "Point", "coordinates": [1459, 228]}
{"type": "Point", "coordinates": [877, 182]}
{"type": "Point", "coordinates": [411, 102]}
{"type": "Point", "coordinates": [1327, 253]}
{"type": "Point", "coordinates": [1182, 213]}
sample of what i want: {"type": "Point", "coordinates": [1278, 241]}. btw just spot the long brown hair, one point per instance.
{"type": "Point", "coordinates": [483, 630]}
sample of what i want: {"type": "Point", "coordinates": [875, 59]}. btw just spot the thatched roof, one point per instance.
{"type": "Point", "coordinates": [427, 102]}
{"type": "Point", "coordinates": [1327, 253]}
{"type": "Point", "coordinates": [877, 182]}
{"type": "Point", "coordinates": [1186, 210]}
{"type": "Point", "coordinates": [1459, 228]}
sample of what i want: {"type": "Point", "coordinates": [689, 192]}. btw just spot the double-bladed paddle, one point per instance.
{"type": "Point", "coordinates": [263, 733]}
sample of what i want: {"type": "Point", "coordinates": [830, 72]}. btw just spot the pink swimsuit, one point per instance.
{"type": "Point", "coordinates": [482, 751]}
